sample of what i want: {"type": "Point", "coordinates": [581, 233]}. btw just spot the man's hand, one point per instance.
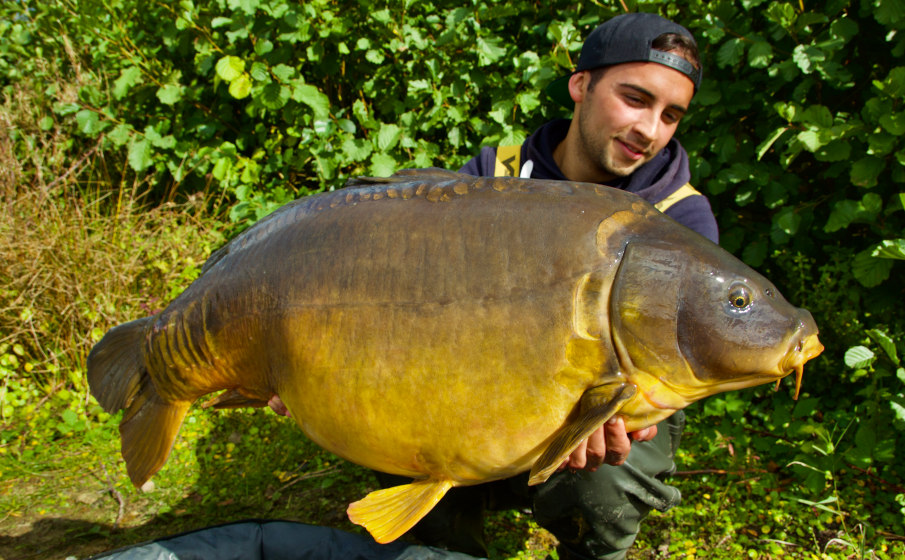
{"type": "Point", "coordinates": [276, 404]}
{"type": "Point", "coordinates": [610, 444]}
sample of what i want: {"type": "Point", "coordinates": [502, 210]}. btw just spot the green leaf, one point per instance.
{"type": "Point", "coordinates": [128, 78]}
{"type": "Point", "coordinates": [222, 168]}
{"type": "Point", "coordinates": [157, 140]}
{"type": "Point", "coordinates": [818, 116]}
{"type": "Point", "coordinates": [837, 150]}
{"type": "Point", "coordinates": [886, 343]}
{"type": "Point", "coordinates": [89, 122]}
{"type": "Point", "coordinates": [374, 56]}
{"type": "Point", "coordinates": [140, 155]}
{"type": "Point", "coordinates": [765, 146]}
{"type": "Point", "coordinates": [754, 253]}
{"type": "Point", "coordinates": [274, 96]}
{"type": "Point", "coordinates": [870, 271]}
{"type": "Point", "coordinates": [528, 101]}
{"type": "Point", "coordinates": [889, 12]}
{"type": "Point", "coordinates": [760, 54]}
{"type": "Point", "coordinates": [730, 53]}
{"type": "Point", "coordinates": [893, 123]}
{"type": "Point", "coordinates": [357, 149]}
{"type": "Point", "coordinates": [120, 135]}
{"type": "Point", "coordinates": [865, 171]}
{"type": "Point", "coordinates": [890, 249]}
{"type": "Point", "coordinates": [170, 94]}
{"type": "Point", "coordinates": [811, 139]}
{"type": "Point", "coordinates": [899, 410]}
{"type": "Point", "coordinates": [241, 86]}
{"type": "Point", "coordinates": [230, 68]}
{"type": "Point", "coordinates": [263, 47]}
{"type": "Point", "coordinates": [843, 213]}
{"type": "Point", "coordinates": [858, 357]}
{"type": "Point", "coordinates": [788, 220]}
{"type": "Point", "coordinates": [489, 50]}
{"type": "Point", "coordinates": [260, 72]}
{"type": "Point", "coordinates": [284, 73]}
{"type": "Point", "coordinates": [314, 98]}
{"type": "Point", "coordinates": [383, 165]}
{"type": "Point", "coordinates": [247, 6]}
{"type": "Point", "coordinates": [388, 137]}
{"type": "Point", "coordinates": [806, 56]}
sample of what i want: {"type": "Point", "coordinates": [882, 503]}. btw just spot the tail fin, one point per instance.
{"type": "Point", "coordinates": [115, 367]}
{"type": "Point", "coordinates": [118, 380]}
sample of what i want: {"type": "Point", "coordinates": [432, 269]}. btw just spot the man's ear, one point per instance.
{"type": "Point", "coordinates": [578, 85]}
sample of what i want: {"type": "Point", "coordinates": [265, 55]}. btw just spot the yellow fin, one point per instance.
{"type": "Point", "coordinates": [234, 398]}
{"type": "Point", "coordinates": [148, 430]}
{"type": "Point", "coordinates": [387, 514]}
{"type": "Point", "coordinates": [598, 404]}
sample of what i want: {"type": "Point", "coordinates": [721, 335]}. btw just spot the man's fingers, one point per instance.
{"type": "Point", "coordinates": [578, 459]}
{"type": "Point", "coordinates": [645, 434]}
{"type": "Point", "coordinates": [618, 443]}
{"type": "Point", "coordinates": [596, 451]}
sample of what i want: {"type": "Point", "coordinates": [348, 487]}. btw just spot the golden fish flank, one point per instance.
{"type": "Point", "coordinates": [389, 314]}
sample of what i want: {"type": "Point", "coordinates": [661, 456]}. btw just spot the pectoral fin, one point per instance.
{"type": "Point", "coordinates": [387, 514]}
{"type": "Point", "coordinates": [234, 398]}
{"type": "Point", "coordinates": [597, 404]}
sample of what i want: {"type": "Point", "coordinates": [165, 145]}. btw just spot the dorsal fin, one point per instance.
{"type": "Point", "coordinates": [405, 176]}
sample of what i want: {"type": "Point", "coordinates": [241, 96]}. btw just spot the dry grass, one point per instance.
{"type": "Point", "coordinates": [79, 250]}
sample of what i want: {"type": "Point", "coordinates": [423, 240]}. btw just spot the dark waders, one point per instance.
{"type": "Point", "coordinates": [595, 515]}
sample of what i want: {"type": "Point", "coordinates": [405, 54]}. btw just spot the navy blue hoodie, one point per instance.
{"type": "Point", "coordinates": [653, 181]}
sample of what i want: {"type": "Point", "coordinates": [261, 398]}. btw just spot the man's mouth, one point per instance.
{"type": "Point", "coordinates": [631, 150]}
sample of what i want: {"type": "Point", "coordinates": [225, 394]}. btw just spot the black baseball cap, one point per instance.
{"type": "Point", "coordinates": [626, 38]}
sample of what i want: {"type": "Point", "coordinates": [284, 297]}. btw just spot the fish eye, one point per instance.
{"type": "Point", "coordinates": [739, 296]}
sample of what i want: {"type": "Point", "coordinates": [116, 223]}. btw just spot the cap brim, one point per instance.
{"type": "Point", "coordinates": [558, 90]}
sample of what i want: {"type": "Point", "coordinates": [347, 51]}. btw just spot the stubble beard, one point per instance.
{"type": "Point", "coordinates": [602, 151]}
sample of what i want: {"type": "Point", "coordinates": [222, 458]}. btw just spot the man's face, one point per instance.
{"type": "Point", "coordinates": [629, 115]}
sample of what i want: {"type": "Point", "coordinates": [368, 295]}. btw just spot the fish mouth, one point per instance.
{"type": "Point", "coordinates": [805, 349]}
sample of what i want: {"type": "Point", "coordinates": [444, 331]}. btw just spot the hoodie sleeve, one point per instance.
{"type": "Point", "coordinates": [482, 165]}
{"type": "Point", "coordinates": [695, 213]}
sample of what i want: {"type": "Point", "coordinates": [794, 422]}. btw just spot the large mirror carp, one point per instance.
{"type": "Point", "coordinates": [452, 329]}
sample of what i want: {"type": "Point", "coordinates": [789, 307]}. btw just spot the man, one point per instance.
{"type": "Point", "coordinates": [635, 78]}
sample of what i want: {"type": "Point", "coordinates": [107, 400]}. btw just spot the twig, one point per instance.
{"type": "Point", "coordinates": [322, 472]}
{"type": "Point", "coordinates": [893, 485]}
{"type": "Point", "coordinates": [74, 166]}
{"type": "Point", "coordinates": [116, 495]}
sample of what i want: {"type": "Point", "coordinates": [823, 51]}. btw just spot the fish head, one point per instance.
{"type": "Point", "coordinates": [693, 320]}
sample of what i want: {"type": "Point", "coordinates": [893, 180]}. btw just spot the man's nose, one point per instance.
{"type": "Point", "coordinates": [648, 125]}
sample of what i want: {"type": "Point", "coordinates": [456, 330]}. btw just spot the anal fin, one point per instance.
{"type": "Point", "coordinates": [597, 405]}
{"type": "Point", "coordinates": [387, 514]}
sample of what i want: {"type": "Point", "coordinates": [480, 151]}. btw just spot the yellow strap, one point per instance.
{"type": "Point", "coordinates": [508, 159]}
{"type": "Point", "coordinates": [681, 193]}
